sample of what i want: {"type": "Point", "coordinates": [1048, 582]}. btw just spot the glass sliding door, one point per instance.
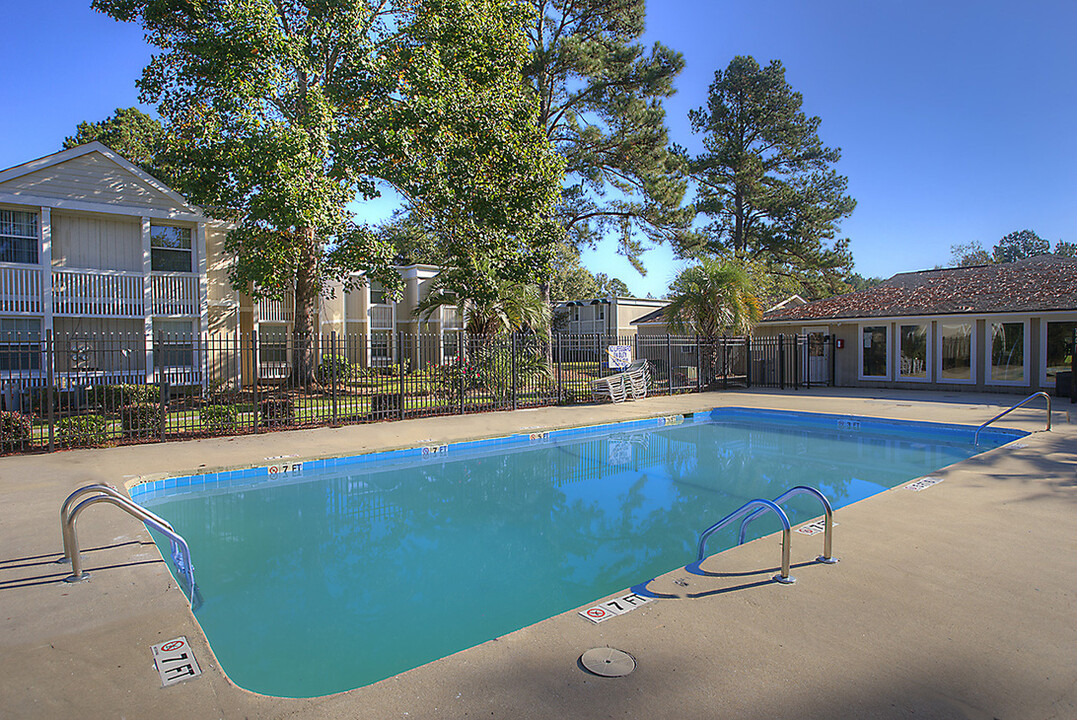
{"type": "Point", "coordinates": [1008, 354]}
{"type": "Point", "coordinates": [874, 352]}
{"type": "Point", "coordinates": [957, 351]}
{"type": "Point", "coordinates": [1058, 349]}
{"type": "Point", "coordinates": [915, 348]}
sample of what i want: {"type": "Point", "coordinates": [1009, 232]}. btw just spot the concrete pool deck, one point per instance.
{"type": "Point", "coordinates": [954, 602]}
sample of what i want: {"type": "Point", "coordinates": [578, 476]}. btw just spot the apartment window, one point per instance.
{"type": "Point", "coordinates": [273, 344]}
{"type": "Point", "coordinates": [170, 248]}
{"type": "Point", "coordinates": [377, 293]}
{"type": "Point", "coordinates": [175, 344]}
{"type": "Point", "coordinates": [450, 345]}
{"type": "Point", "coordinates": [1059, 349]}
{"type": "Point", "coordinates": [1008, 359]}
{"type": "Point", "coordinates": [914, 349]}
{"type": "Point", "coordinates": [381, 345]}
{"type": "Point", "coordinates": [956, 358]}
{"type": "Point", "coordinates": [18, 237]}
{"type": "Point", "coordinates": [20, 344]}
{"type": "Point", "coordinates": [874, 352]}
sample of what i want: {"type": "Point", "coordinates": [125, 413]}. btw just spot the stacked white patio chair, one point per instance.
{"type": "Point", "coordinates": [615, 387]}
{"type": "Point", "coordinates": [631, 384]}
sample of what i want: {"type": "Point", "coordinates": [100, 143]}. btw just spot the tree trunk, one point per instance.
{"type": "Point", "coordinates": [304, 357]}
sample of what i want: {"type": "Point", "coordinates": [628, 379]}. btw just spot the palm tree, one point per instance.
{"type": "Point", "coordinates": [516, 307]}
{"type": "Point", "coordinates": [713, 298]}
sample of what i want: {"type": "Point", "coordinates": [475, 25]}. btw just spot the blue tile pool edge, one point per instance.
{"type": "Point", "coordinates": [151, 486]}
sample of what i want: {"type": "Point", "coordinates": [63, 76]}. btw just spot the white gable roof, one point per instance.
{"type": "Point", "coordinates": [91, 175]}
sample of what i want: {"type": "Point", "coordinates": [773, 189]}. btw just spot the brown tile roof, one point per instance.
{"type": "Point", "coordinates": [1038, 284]}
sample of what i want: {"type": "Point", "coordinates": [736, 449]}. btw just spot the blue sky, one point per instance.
{"type": "Point", "coordinates": [955, 119]}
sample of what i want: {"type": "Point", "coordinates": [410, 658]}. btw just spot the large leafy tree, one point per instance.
{"type": "Point", "coordinates": [599, 93]}
{"type": "Point", "coordinates": [766, 181]}
{"type": "Point", "coordinates": [285, 111]}
{"type": "Point", "coordinates": [133, 134]}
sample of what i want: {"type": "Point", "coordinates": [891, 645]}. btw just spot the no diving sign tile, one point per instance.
{"type": "Point", "coordinates": [612, 608]}
{"type": "Point", "coordinates": [923, 483]}
{"type": "Point", "coordinates": [175, 661]}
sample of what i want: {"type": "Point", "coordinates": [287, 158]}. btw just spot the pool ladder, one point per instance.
{"type": "Point", "coordinates": [1033, 396]}
{"type": "Point", "coordinates": [753, 509]}
{"type": "Point", "coordinates": [102, 493]}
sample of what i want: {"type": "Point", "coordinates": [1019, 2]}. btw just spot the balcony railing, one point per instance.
{"type": "Point", "coordinates": [20, 289]}
{"type": "Point", "coordinates": [381, 317]}
{"type": "Point", "coordinates": [276, 311]}
{"type": "Point", "coordinates": [175, 293]}
{"type": "Point", "coordinates": [97, 293]}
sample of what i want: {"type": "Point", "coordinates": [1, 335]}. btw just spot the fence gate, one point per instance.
{"type": "Point", "coordinates": [815, 358]}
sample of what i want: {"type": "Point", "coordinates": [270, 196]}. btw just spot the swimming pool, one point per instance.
{"type": "Point", "coordinates": [355, 569]}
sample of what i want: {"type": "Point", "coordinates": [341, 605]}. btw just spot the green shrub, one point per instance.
{"type": "Point", "coordinates": [393, 369]}
{"type": "Point", "coordinates": [111, 398]}
{"type": "Point", "coordinates": [141, 419]}
{"type": "Point", "coordinates": [14, 430]}
{"type": "Point", "coordinates": [219, 418]}
{"type": "Point", "coordinates": [83, 431]}
{"type": "Point", "coordinates": [276, 411]}
{"type": "Point", "coordinates": [344, 369]}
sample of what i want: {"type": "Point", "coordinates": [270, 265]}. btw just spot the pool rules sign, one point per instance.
{"type": "Point", "coordinates": [175, 661]}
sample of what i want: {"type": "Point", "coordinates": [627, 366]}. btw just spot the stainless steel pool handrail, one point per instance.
{"type": "Point", "coordinates": [828, 514]}
{"type": "Point", "coordinates": [102, 488]}
{"type": "Point", "coordinates": [976, 436]}
{"type": "Point", "coordinates": [759, 505]}
{"type": "Point", "coordinates": [181, 551]}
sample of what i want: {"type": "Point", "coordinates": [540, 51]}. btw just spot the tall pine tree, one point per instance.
{"type": "Point", "coordinates": [767, 181]}
{"type": "Point", "coordinates": [600, 98]}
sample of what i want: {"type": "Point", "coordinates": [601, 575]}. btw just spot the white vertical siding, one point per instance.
{"type": "Point", "coordinates": [85, 241]}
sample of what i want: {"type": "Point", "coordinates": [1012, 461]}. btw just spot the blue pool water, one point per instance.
{"type": "Point", "coordinates": [357, 569]}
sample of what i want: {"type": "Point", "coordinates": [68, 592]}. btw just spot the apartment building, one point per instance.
{"type": "Point", "coordinates": [93, 247]}
{"type": "Point", "coordinates": [610, 316]}
{"type": "Point", "coordinates": [132, 282]}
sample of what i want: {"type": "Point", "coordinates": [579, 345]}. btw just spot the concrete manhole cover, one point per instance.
{"type": "Point", "coordinates": [607, 662]}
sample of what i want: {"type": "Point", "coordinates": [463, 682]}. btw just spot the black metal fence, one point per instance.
{"type": "Point", "coordinates": [97, 390]}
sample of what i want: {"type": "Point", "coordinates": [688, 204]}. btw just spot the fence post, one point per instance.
{"type": "Point", "coordinates": [333, 372]}
{"type": "Point", "coordinates": [796, 361]}
{"type": "Point", "coordinates": [560, 362]}
{"type": "Point", "coordinates": [1073, 368]}
{"type": "Point", "coordinates": [806, 361]}
{"type": "Point", "coordinates": [254, 376]}
{"type": "Point", "coordinates": [400, 360]}
{"type": "Point", "coordinates": [747, 361]}
{"type": "Point", "coordinates": [461, 358]}
{"type": "Point", "coordinates": [781, 361]}
{"type": "Point", "coordinates": [669, 363]}
{"type": "Point", "coordinates": [725, 363]}
{"type": "Point", "coordinates": [164, 405]}
{"type": "Point", "coordinates": [515, 376]}
{"type": "Point", "coordinates": [50, 355]}
{"type": "Point", "coordinates": [699, 365]}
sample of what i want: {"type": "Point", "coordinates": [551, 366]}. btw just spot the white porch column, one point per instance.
{"type": "Point", "coordinates": [147, 297]}
{"type": "Point", "coordinates": [44, 258]}
{"type": "Point", "coordinates": [203, 300]}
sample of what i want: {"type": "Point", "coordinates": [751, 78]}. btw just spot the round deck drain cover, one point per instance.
{"type": "Point", "coordinates": [607, 662]}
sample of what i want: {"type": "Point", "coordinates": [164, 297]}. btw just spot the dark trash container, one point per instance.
{"type": "Point", "coordinates": [1063, 384]}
